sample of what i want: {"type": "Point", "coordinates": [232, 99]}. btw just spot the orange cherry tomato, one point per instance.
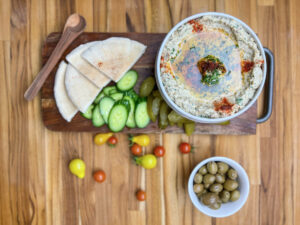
{"type": "Point", "coordinates": [159, 151]}
{"type": "Point", "coordinates": [141, 195]}
{"type": "Point", "coordinates": [99, 176]}
{"type": "Point", "coordinates": [136, 149]}
{"type": "Point", "coordinates": [112, 141]}
{"type": "Point", "coordinates": [185, 148]}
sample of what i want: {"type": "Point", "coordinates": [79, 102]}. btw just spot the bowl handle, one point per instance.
{"type": "Point", "coordinates": [269, 86]}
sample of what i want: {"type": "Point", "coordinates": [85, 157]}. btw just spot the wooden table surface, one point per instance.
{"type": "Point", "coordinates": [35, 184]}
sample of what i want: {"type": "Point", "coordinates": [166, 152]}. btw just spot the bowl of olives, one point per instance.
{"type": "Point", "coordinates": [218, 186]}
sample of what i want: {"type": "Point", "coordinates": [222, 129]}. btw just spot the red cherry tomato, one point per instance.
{"type": "Point", "coordinates": [112, 141]}
{"type": "Point", "coordinates": [141, 195]}
{"type": "Point", "coordinates": [136, 149]}
{"type": "Point", "coordinates": [159, 151]}
{"type": "Point", "coordinates": [99, 176]}
{"type": "Point", "coordinates": [185, 148]}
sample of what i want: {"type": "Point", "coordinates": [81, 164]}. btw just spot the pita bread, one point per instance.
{"type": "Point", "coordinates": [85, 68]}
{"type": "Point", "coordinates": [65, 106]}
{"type": "Point", "coordinates": [81, 91]}
{"type": "Point", "coordinates": [114, 56]}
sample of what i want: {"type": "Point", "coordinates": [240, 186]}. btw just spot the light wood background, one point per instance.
{"type": "Point", "coordinates": [35, 184]}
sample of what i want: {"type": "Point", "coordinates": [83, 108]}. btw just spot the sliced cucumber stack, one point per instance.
{"type": "Point", "coordinates": [97, 118]}
{"type": "Point", "coordinates": [105, 106]}
{"type": "Point", "coordinates": [130, 121]}
{"type": "Point", "coordinates": [118, 115]}
{"type": "Point", "coordinates": [88, 113]}
{"type": "Point", "coordinates": [141, 116]}
{"type": "Point", "coordinates": [128, 81]}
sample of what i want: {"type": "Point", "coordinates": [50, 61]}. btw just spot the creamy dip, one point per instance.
{"type": "Point", "coordinates": [227, 43]}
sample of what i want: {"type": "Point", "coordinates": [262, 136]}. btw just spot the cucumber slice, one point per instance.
{"type": "Point", "coordinates": [113, 91]}
{"type": "Point", "coordinates": [105, 106]}
{"type": "Point", "coordinates": [98, 98]}
{"type": "Point", "coordinates": [107, 89]}
{"type": "Point", "coordinates": [127, 81]}
{"type": "Point", "coordinates": [130, 121]}
{"type": "Point", "coordinates": [141, 116]}
{"type": "Point", "coordinates": [132, 94]}
{"type": "Point", "coordinates": [117, 96]}
{"type": "Point", "coordinates": [97, 119]}
{"type": "Point", "coordinates": [118, 115]}
{"type": "Point", "coordinates": [88, 113]}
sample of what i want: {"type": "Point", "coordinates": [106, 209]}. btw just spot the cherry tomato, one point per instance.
{"type": "Point", "coordinates": [159, 151]}
{"type": "Point", "coordinates": [141, 195]}
{"type": "Point", "coordinates": [112, 141]}
{"type": "Point", "coordinates": [185, 148]}
{"type": "Point", "coordinates": [136, 149]}
{"type": "Point", "coordinates": [99, 176]}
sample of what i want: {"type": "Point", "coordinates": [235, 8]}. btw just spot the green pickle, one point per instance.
{"type": "Point", "coordinates": [156, 93]}
{"type": "Point", "coordinates": [147, 86]}
{"type": "Point", "coordinates": [156, 105]}
{"type": "Point", "coordinates": [163, 116]}
{"type": "Point", "coordinates": [176, 118]}
{"type": "Point", "coordinates": [149, 108]}
{"type": "Point", "coordinates": [189, 128]}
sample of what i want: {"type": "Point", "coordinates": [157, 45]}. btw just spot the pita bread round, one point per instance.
{"type": "Point", "coordinates": [65, 106]}
{"type": "Point", "coordinates": [85, 68]}
{"type": "Point", "coordinates": [81, 91]}
{"type": "Point", "coordinates": [114, 56]}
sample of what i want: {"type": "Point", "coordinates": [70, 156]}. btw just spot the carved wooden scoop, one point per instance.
{"type": "Point", "coordinates": [73, 28]}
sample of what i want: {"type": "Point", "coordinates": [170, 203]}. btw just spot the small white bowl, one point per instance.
{"type": "Point", "coordinates": [228, 208]}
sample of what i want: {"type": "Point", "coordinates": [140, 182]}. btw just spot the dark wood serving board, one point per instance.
{"type": "Point", "coordinates": [242, 125]}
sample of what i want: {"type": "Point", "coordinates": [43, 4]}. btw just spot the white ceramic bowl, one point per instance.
{"type": "Point", "coordinates": [228, 208]}
{"type": "Point", "coordinates": [190, 116]}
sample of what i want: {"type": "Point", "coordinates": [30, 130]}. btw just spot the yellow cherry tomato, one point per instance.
{"type": "Point", "coordinates": [77, 167]}
{"type": "Point", "coordinates": [147, 161]}
{"type": "Point", "coordinates": [100, 139]}
{"type": "Point", "coordinates": [142, 140]}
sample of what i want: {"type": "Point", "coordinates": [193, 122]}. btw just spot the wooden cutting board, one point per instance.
{"type": "Point", "coordinates": [242, 125]}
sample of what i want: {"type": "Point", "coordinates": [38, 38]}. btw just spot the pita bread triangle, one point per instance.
{"type": "Point", "coordinates": [65, 106]}
{"type": "Point", "coordinates": [85, 68]}
{"type": "Point", "coordinates": [81, 91]}
{"type": "Point", "coordinates": [114, 56]}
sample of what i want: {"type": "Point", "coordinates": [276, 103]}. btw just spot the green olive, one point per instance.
{"type": "Point", "coordinates": [210, 198]}
{"type": "Point", "coordinates": [198, 188]}
{"type": "Point", "coordinates": [235, 195]}
{"type": "Point", "coordinates": [209, 179]}
{"type": "Point", "coordinates": [215, 206]}
{"type": "Point", "coordinates": [212, 167]}
{"type": "Point", "coordinates": [225, 196]}
{"type": "Point", "coordinates": [230, 185]}
{"type": "Point", "coordinates": [147, 86]}
{"type": "Point", "coordinates": [222, 167]}
{"type": "Point", "coordinates": [220, 178]}
{"type": "Point", "coordinates": [216, 188]}
{"type": "Point", "coordinates": [203, 170]}
{"type": "Point", "coordinates": [206, 186]}
{"type": "Point", "coordinates": [198, 178]}
{"type": "Point", "coordinates": [232, 174]}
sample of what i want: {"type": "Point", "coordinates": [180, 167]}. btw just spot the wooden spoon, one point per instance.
{"type": "Point", "coordinates": [73, 28]}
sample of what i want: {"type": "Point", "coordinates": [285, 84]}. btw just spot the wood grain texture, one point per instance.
{"type": "Point", "coordinates": [35, 184]}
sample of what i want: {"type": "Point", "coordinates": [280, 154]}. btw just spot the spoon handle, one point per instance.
{"type": "Point", "coordinates": [66, 39]}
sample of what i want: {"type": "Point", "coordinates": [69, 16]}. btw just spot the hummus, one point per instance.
{"type": "Point", "coordinates": [211, 67]}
